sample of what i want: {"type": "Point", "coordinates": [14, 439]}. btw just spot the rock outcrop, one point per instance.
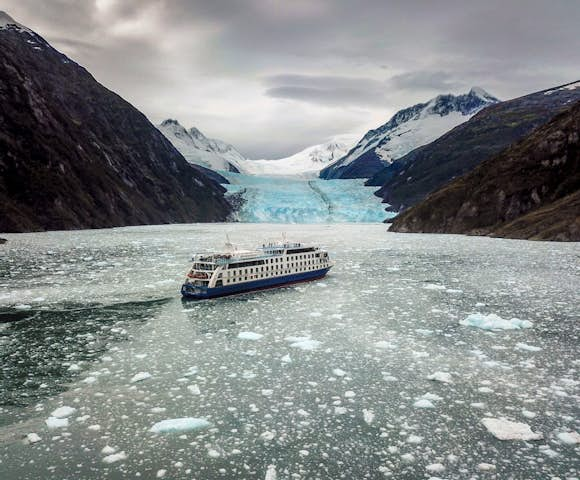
{"type": "Point", "coordinates": [531, 190]}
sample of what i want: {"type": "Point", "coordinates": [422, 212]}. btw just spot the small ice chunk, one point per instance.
{"type": "Point", "coordinates": [213, 453]}
{"type": "Point", "coordinates": [115, 457]}
{"type": "Point", "coordinates": [286, 359]}
{"type": "Point", "coordinates": [63, 412]}
{"type": "Point", "coordinates": [432, 397]}
{"type": "Point", "coordinates": [528, 348]}
{"type": "Point", "coordinates": [267, 436]}
{"type": "Point", "coordinates": [304, 343]}
{"type": "Point", "coordinates": [494, 322]}
{"type": "Point", "coordinates": [94, 428]}
{"type": "Point", "coordinates": [161, 473]}
{"type": "Point", "coordinates": [73, 368]}
{"type": "Point", "coordinates": [33, 438]}
{"type": "Point", "coordinates": [443, 377]}
{"type": "Point", "coordinates": [485, 467]}
{"type": "Point", "coordinates": [139, 377]}
{"type": "Point", "coordinates": [339, 410]}
{"type": "Point", "coordinates": [338, 372]}
{"type": "Point", "coordinates": [423, 403]}
{"type": "Point", "coordinates": [407, 458]}
{"type": "Point", "coordinates": [435, 468]}
{"type": "Point", "coordinates": [53, 422]}
{"type": "Point", "coordinates": [349, 394]}
{"type": "Point", "coordinates": [415, 439]}
{"type": "Point", "coordinates": [528, 414]}
{"type": "Point", "coordinates": [180, 425]}
{"type": "Point", "coordinates": [270, 473]}
{"type": "Point", "coordinates": [503, 429]}
{"type": "Point", "coordinates": [569, 438]}
{"type": "Point", "coordinates": [107, 450]}
{"type": "Point", "coordinates": [368, 416]}
{"type": "Point", "coordinates": [433, 286]}
{"type": "Point", "coordinates": [194, 389]}
{"type": "Point", "coordinates": [267, 392]}
{"type": "Point", "coordinates": [384, 345]}
{"type": "Point", "coordinates": [249, 336]}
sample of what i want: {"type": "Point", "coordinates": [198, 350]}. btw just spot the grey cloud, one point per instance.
{"type": "Point", "coordinates": [326, 90]}
{"type": "Point", "coordinates": [424, 80]}
{"type": "Point", "coordinates": [361, 60]}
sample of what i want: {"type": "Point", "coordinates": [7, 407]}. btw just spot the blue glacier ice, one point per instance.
{"type": "Point", "coordinates": [296, 200]}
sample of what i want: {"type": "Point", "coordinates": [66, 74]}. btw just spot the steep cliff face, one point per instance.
{"type": "Point", "coordinates": [530, 190]}
{"type": "Point", "coordinates": [411, 178]}
{"type": "Point", "coordinates": [75, 155]}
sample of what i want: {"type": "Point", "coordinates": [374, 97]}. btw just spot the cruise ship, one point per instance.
{"type": "Point", "coordinates": [275, 264]}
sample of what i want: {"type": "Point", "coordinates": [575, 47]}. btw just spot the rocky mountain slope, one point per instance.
{"type": "Point", "coordinates": [530, 190]}
{"type": "Point", "coordinates": [405, 131]}
{"type": "Point", "coordinates": [201, 150]}
{"type": "Point", "coordinates": [76, 155]}
{"type": "Point", "coordinates": [409, 179]}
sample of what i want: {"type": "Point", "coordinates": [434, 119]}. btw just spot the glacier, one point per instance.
{"type": "Point", "coordinates": [294, 200]}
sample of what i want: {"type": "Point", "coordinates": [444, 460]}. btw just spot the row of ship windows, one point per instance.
{"type": "Point", "coordinates": [244, 276]}
{"type": "Point", "coordinates": [245, 271]}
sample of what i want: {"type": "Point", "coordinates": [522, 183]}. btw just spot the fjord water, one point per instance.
{"type": "Point", "coordinates": [320, 380]}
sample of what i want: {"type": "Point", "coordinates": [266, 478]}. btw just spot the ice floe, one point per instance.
{"type": "Point", "coordinates": [194, 389]}
{"type": "Point", "coordinates": [115, 457]}
{"type": "Point", "coordinates": [423, 403]}
{"type": "Point", "coordinates": [249, 336]}
{"type": "Point", "coordinates": [63, 412]}
{"type": "Point", "coordinates": [494, 322]}
{"type": "Point", "coordinates": [33, 438]}
{"type": "Point", "coordinates": [180, 425]}
{"type": "Point", "coordinates": [139, 377]}
{"type": "Point", "coordinates": [53, 422]}
{"type": "Point", "coordinates": [529, 348]}
{"type": "Point", "coordinates": [443, 377]}
{"type": "Point", "coordinates": [270, 473]}
{"type": "Point", "coordinates": [569, 438]}
{"type": "Point", "coordinates": [503, 429]}
{"type": "Point", "coordinates": [303, 343]}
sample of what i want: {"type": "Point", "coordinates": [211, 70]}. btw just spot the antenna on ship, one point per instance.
{"type": "Point", "coordinates": [229, 245]}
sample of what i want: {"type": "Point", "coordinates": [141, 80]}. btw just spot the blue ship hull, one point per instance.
{"type": "Point", "coordinates": [200, 293]}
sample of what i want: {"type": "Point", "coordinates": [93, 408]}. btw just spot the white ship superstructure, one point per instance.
{"type": "Point", "coordinates": [272, 265]}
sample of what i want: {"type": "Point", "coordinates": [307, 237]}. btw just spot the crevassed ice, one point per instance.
{"type": "Point", "coordinates": [294, 200]}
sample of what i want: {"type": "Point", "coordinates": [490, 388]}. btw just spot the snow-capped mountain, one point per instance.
{"type": "Point", "coordinates": [306, 163]}
{"type": "Point", "coordinates": [201, 150]}
{"type": "Point", "coordinates": [407, 130]}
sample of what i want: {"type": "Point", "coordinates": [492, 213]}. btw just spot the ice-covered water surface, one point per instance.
{"type": "Point", "coordinates": [370, 373]}
{"type": "Point", "coordinates": [296, 200]}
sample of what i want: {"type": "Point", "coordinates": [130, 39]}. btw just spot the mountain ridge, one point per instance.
{"type": "Point", "coordinates": [75, 155]}
{"type": "Point", "coordinates": [412, 177]}
{"type": "Point", "coordinates": [406, 130]}
{"type": "Point", "coordinates": [530, 190]}
{"type": "Point", "coordinates": [201, 150]}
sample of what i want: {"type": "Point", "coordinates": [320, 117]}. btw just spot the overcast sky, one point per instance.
{"type": "Point", "coordinates": [272, 77]}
